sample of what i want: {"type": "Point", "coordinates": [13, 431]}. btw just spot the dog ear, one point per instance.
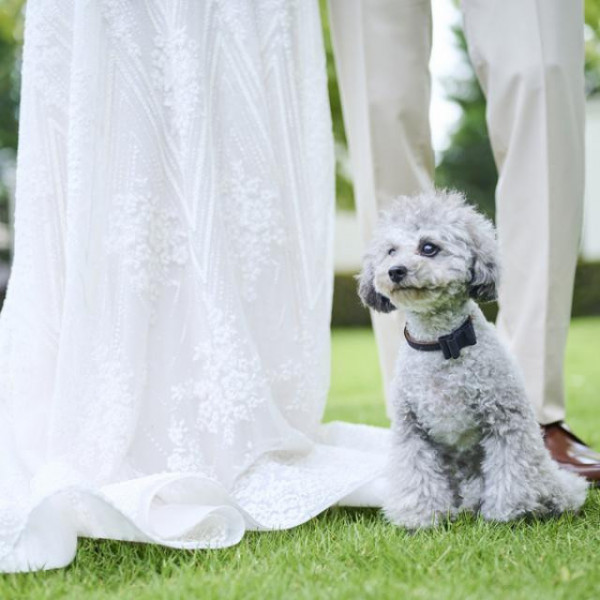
{"type": "Point", "coordinates": [484, 268]}
{"type": "Point", "coordinates": [369, 295]}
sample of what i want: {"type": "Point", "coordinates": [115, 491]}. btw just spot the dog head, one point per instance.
{"type": "Point", "coordinates": [427, 250]}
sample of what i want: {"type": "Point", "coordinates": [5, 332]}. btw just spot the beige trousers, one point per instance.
{"type": "Point", "coordinates": [528, 56]}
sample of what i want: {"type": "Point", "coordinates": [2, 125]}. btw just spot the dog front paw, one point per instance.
{"type": "Point", "coordinates": [505, 514]}
{"type": "Point", "coordinates": [416, 517]}
{"type": "Point", "coordinates": [519, 508]}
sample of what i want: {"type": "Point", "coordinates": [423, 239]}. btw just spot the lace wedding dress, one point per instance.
{"type": "Point", "coordinates": [164, 345]}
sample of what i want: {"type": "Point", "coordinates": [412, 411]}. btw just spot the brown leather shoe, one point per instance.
{"type": "Point", "coordinates": [570, 452]}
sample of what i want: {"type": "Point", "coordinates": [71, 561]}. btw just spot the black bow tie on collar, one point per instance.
{"type": "Point", "coordinates": [450, 344]}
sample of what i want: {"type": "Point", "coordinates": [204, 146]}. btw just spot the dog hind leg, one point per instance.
{"type": "Point", "coordinates": [521, 479]}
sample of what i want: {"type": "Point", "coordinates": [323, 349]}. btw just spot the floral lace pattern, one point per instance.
{"type": "Point", "coordinates": [109, 404]}
{"type": "Point", "coordinates": [295, 372]}
{"type": "Point", "coordinates": [254, 224]}
{"type": "Point", "coordinates": [120, 20]}
{"type": "Point", "coordinates": [312, 480]}
{"type": "Point", "coordinates": [164, 344]}
{"type": "Point", "coordinates": [177, 77]}
{"type": "Point", "coordinates": [228, 386]}
{"type": "Point", "coordinates": [147, 235]}
{"type": "Point", "coordinates": [46, 29]}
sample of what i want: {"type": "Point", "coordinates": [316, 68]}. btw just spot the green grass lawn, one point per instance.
{"type": "Point", "coordinates": [352, 553]}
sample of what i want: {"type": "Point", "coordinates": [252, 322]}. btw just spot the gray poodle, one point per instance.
{"type": "Point", "coordinates": [464, 434]}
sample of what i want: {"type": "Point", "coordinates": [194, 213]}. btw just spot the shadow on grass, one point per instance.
{"type": "Point", "coordinates": [96, 558]}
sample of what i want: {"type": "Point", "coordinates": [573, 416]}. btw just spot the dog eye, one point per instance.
{"type": "Point", "coordinates": [392, 251]}
{"type": "Point", "coordinates": [428, 249]}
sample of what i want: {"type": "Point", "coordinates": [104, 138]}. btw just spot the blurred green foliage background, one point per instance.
{"type": "Point", "coordinates": [11, 38]}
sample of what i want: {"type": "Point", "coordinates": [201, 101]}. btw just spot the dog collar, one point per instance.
{"type": "Point", "coordinates": [450, 344]}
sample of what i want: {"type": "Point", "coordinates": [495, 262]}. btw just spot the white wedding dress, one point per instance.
{"type": "Point", "coordinates": [164, 345]}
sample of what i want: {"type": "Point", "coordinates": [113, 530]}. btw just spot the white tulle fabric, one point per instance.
{"type": "Point", "coordinates": [164, 345]}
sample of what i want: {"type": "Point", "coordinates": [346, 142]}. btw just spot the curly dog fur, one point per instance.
{"type": "Point", "coordinates": [464, 434]}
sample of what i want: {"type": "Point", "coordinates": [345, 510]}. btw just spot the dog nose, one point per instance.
{"type": "Point", "coordinates": [397, 274]}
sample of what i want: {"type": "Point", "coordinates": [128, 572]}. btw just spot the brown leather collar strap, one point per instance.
{"type": "Point", "coordinates": [450, 344]}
